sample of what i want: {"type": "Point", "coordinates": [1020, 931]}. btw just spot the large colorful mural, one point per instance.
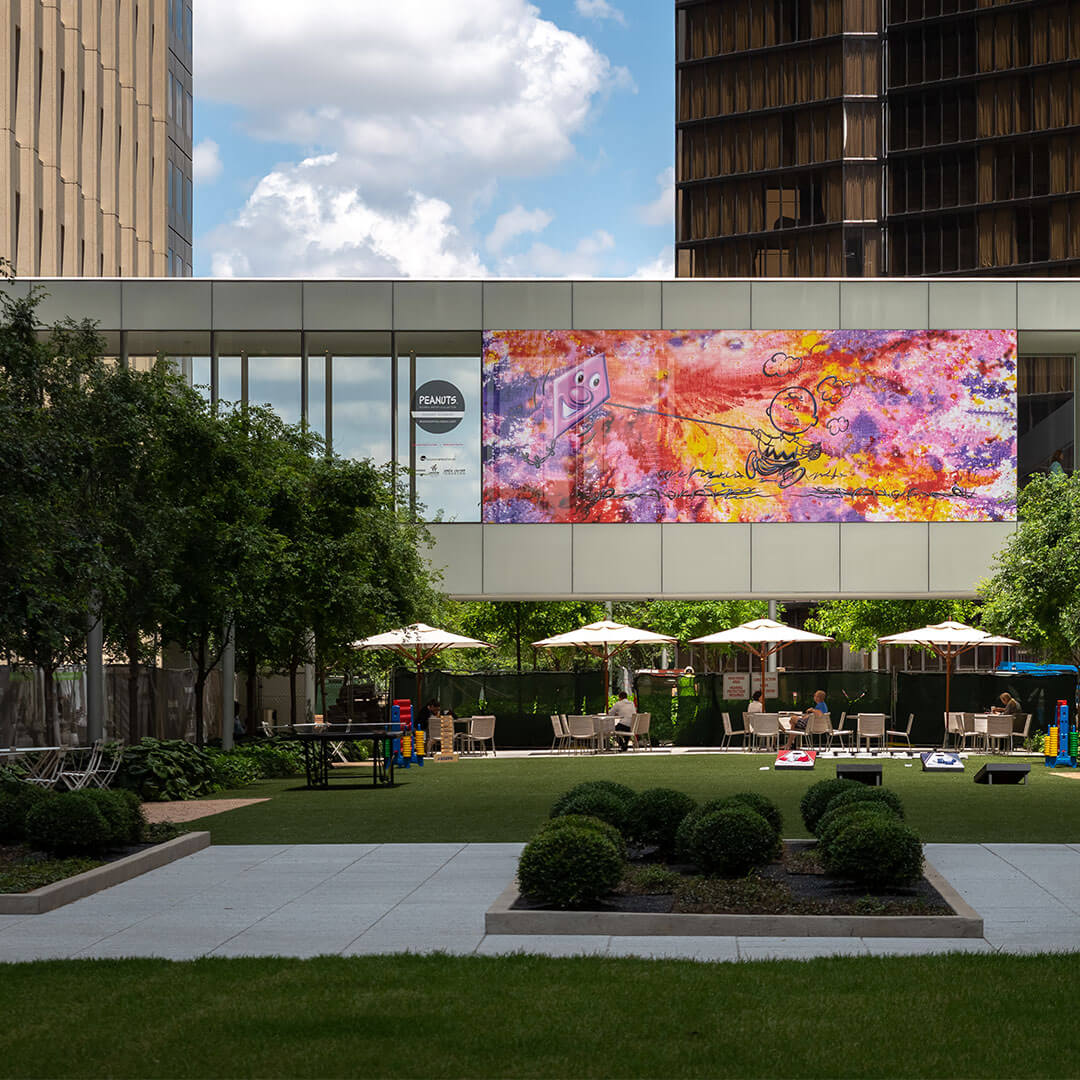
{"type": "Point", "coordinates": [721, 426]}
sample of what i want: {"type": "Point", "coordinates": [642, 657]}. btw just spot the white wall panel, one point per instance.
{"type": "Point", "coordinates": [795, 305]}
{"type": "Point", "coordinates": [972, 305]}
{"type": "Point", "coordinates": [438, 305]}
{"type": "Point", "coordinates": [883, 557]}
{"type": "Point", "coordinates": [794, 559]}
{"type": "Point", "coordinates": [884, 305]}
{"type": "Point", "coordinates": [1048, 305]}
{"type": "Point", "coordinates": [706, 559]}
{"type": "Point", "coordinates": [616, 560]}
{"type": "Point", "coordinates": [459, 554]}
{"type": "Point", "coordinates": [706, 305]}
{"type": "Point", "coordinates": [527, 305]}
{"type": "Point", "coordinates": [257, 305]}
{"type": "Point", "coordinates": [348, 305]}
{"type": "Point", "coordinates": [961, 553]}
{"type": "Point", "coordinates": [76, 298]}
{"type": "Point", "coordinates": [527, 560]}
{"type": "Point", "coordinates": [617, 305]}
{"type": "Point", "coordinates": [166, 304]}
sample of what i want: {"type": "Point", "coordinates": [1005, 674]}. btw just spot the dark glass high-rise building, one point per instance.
{"type": "Point", "coordinates": [877, 137]}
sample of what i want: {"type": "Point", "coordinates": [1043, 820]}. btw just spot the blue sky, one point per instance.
{"type": "Point", "coordinates": [421, 138]}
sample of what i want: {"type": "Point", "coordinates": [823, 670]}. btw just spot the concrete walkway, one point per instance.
{"type": "Point", "coordinates": [351, 899]}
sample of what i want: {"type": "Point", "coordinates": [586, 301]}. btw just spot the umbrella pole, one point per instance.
{"type": "Point", "coordinates": [948, 676]}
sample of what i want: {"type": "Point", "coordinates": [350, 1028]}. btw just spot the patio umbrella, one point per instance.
{"type": "Point", "coordinates": [762, 638]}
{"type": "Point", "coordinates": [604, 639]}
{"type": "Point", "coordinates": [419, 643]}
{"type": "Point", "coordinates": [949, 640]}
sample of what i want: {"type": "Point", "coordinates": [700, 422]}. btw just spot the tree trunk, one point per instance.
{"type": "Point", "coordinates": [292, 693]}
{"type": "Point", "coordinates": [200, 683]}
{"type": "Point", "coordinates": [135, 731]}
{"type": "Point", "coordinates": [252, 689]}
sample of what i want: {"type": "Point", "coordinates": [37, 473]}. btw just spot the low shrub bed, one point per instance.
{"type": "Point", "coordinates": [609, 848]}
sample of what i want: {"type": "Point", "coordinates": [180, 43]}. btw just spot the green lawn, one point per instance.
{"type": "Point", "coordinates": [519, 1016]}
{"type": "Point", "coordinates": [506, 800]}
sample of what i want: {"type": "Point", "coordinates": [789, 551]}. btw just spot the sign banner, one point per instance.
{"type": "Point", "coordinates": [739, 685]}
{"type": "Point", "coordinates": [749, 425]}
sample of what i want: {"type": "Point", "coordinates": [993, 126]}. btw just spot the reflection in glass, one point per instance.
{"type": "Point", "coordinates": [317, 394]}
{"type": "Point", "coordinates": [229, 382]}
{"type": "Point", "coordinates": [361, 407]}
{"type": "Point", "coordinates": [275, 381]}
{"type": "Point", "coordinates": [447, 463]}
{"type": "Point", "coordinates": [1045, 436]}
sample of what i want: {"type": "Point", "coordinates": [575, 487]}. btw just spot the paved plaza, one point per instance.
{"type": "Point", "coordinates": [353, 899]}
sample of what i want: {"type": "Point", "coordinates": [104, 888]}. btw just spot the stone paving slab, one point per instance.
{"type": "Point", "coordinates": [358, 899]}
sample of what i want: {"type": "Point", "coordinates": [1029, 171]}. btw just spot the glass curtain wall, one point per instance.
{"type": "Point", "coordinates": [1045, 415]}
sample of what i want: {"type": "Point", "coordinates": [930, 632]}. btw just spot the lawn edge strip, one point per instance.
{"type": "Point", "coordinates": [74, 888]}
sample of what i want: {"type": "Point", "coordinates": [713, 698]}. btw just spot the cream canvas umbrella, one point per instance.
{"type": "Point", "coordinates": [604, 639]}
{"type": "Point", "coordinates": [949, 640]}
{"type": "Point", "coordinates": [419, 643]}
{"type": "Point", "coordinates": [761, 638]}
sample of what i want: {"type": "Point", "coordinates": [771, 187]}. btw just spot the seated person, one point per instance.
{"type": "Point", "coordinates": [755, 703]}
{"type": "Point", "coordinates": [431, 711]}
{"type": "Point", "coordinates": [625, 711]}
{"type": "Point", "coordinates": [1008, 705]}
{"type": "Point", "coordinates": [800, 722]}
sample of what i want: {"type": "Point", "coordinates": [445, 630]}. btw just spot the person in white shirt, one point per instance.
{"type": "Point", "coordinates": [625, 710]}
{"type": "Point", "coordinates": [755, 703]}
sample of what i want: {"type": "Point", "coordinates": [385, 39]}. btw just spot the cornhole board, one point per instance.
{"type": "Point", "coordinates": [795, 759]}
{"type": "Point", "coordinates": [941, 761]}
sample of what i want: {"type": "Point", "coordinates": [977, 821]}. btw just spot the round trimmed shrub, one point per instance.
{"type": "Point", "coordinates": [759, 803]}
{"type": "Point", "coordinates": [597, 798]}
{"type": "Point", "coordinates": [233, 769]}
{"type": "Point", "coordinates": [817, 797]}
{"type": "Point", "coordinates": [655, 815]}
{"type": "Point", "coordinates": [836, 820]}
{"type": "Point", "coordinates": [122, 812]}
{"type": "Point", "coordinates": [69, 823]}
{"type": "Point", "coordinates": [686, 826]}
{"type": "Point", "coordinates": [731, 842]}
{"type": "Point", "coordinates": [863, 793]}
{"type": "Point", "coordinates": [581, 821]}
{"type": "Point", "coordinates": [876, 851]}
{"type": "Point", "coordinates": [569, 867]}
{"type": "Point", "coordinates": [16, 801]}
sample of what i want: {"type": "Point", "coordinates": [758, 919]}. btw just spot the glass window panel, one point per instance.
{"type": "Point", "coordinates": [317, 394]}
{"type": "Point", "coordinates": [275, 381]}
{"type": "Point", "coordinates": [447, 462]}
{"type": "Point", "coordinates": [1045, 409]}
{"type": "Point", "coordinates": [229, 386]}
{"type": "Point", "coordinates": [360, 417]}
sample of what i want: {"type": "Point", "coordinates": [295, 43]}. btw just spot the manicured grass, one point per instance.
{"type": "Point", "coordinates": [527, 1016]}
{"type": "Point", "coordinates": [505, 800]}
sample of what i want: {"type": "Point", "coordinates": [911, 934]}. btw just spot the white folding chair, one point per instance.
{"type": "Point", "coordinates": [839, 732]}
{"type": "Point", "coordinates": [80, 764]}
{"type": "Point", "coordinates": [108, 769]}
{"type": "Point", "coordinates": [731, 732]}
{"type": "Point", "coordinates": [764, 729]}
{"type": "Point", "coordinates": [870, 726]}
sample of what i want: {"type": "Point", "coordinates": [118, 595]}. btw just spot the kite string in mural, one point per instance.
{"type": "Point", "coordinates": [607, 426]}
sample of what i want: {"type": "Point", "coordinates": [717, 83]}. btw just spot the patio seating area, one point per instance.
{"type": "Point", "coordinates": [69, 768]}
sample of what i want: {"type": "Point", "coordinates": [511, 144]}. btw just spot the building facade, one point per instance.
{"type": "Point", "coordinates": [409, 372]}
{"type": "Point", "coordinates": [96, 137]}
{"type": "Point", "coordinates": [877, 137]}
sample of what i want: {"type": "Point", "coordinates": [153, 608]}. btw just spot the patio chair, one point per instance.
{"type": "Point", "coordinates": [967, 730]}
{"type": "Point", "coordinates": [1023, 734]}
{"type": "Point", "coordinates": [905, 734]}
{"type": "Point", "coordinates": [764, 729]}
{"type": "Point", "coordinates": [560, 736]}
{"type": "Point", "coordinates": [481, 730]}
{"type": "Point", "coordinates": [109, 767]}
{"type": "Point", "coordinates": [79, 766]}
{"type": "Point", "coordinates": [954, 727]}
{"type": "Point", "coordinates": [731, 732]}
{"type": "Point", "coordinates": [45, 768]}
{"type": "Point", "coordinates": [640, 730]}
{"type": "Point", "coordinates": [840, 733]}
{"type": "Point", "coordinates": [434, 734]}
{"type": "Point", "coordinates": [870, 726]}
{"type": "Point", "coordinates": [819, 724]}
{"type": "Point", "coordinates": [582, 733]}
{"type": "Point", "coordinates": [999, 729]}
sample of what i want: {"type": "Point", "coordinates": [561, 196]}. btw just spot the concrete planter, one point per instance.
{"type": "Point", "coordinates": [503, 918]}
{"type": "Point", "coordinates": [102, 877]}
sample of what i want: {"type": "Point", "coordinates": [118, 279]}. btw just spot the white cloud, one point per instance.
{"type": "Point", "coordinates": [296, 223]}
{"type": "Point", "coordinates": [663, 266]}
{"type": "Point", "coordinates": [598, 9]}
{"type": "Point", "coordinates": [586, 259]}
{"type": "Point", "coordinates": [661, 211]}
{"type": "Point", "coordinates": [514, 223]}
{"type": "Point", "coordinates": [206, 164]}
{"type": "Point", "coordinates": [412, 112]}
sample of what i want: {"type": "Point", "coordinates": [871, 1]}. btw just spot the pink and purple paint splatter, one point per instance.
{"type": "Point", "coordinates": [835, 425]}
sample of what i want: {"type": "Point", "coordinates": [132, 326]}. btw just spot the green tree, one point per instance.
{"type": "Point", "coordinates": [1033, 593]}
{"type": "Point", "coordinates": [861, 622]}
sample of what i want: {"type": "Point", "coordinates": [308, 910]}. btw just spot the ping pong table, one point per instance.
{"type": "Point", "coordinates": [320, 743]}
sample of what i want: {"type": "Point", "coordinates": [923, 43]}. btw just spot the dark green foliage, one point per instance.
{"type": "Point", "coordinates": [838, 819]}
{"type": "Point", "coordinates": [597, 798]}
{"type": "Point", "coordinates": [876, 851]}
{"type": "Point", "coordinates": [569, 867]}
{"type": "Point", "coordinates": [731, 842]}
{"type": "Point", "coordinates": [818, 796]}
{"type": "Point", "coordinates": [162, 770]}
{"type": "Point", "coordinates": [233, 769]}
{"type": "Point", "coordinates": [69, 823]}
{"type": "Point", "coordinates": [864, 793]}
{"type": "Point", "coordinates": [764, 806]}
{"type": "Point", "coordinates": [277, 758]}
{"type": "Point", "coordinates": [16, 801]}
{"type": "Point", "coordinates": [581, 821]}
{"type": "Point", "coordinates": [655, 815]}
{"type": "Point", "coordinates": [682, 834]}
{"type": "Point", "coordinates": [122, 811]}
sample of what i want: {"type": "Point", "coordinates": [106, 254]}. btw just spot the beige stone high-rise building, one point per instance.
{"type": "Point", "coordinates": [95, 137]}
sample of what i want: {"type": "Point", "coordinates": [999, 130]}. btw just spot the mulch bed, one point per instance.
{"type": "Point", "coordinates": [794, 885]}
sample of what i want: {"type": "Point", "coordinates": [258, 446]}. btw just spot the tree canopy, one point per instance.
{"type": "Point", "coordinates": [861, 622]}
